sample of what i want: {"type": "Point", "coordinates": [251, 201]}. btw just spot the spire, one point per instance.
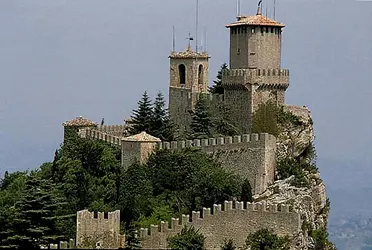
{"type": "Point", "coordinates": [259, 12]}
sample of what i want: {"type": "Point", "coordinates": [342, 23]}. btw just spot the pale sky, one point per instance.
{"type": "Point", "coordinates": [65, 58]}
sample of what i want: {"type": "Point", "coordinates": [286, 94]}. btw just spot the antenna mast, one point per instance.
{"type": "Point", "coordinates": [274, 8]}
{"type": "Point", "coordinates": [238, 7]}
{"type": "Point", "coordinates": [197, 26]}
{"type": "Point", "coordinates": [174, 39]}
{"type": "Point", "coordinates": [205, 39]}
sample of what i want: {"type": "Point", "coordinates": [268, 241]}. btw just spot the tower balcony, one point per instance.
{"type": "Point", "coordinates": [265, 78]}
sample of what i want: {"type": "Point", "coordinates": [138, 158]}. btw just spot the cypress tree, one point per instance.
{"type": "Point", "coordinates": [217, 87]}
{"type": "Point", "coordinates": [246, 195]}
{"type": "Point", "coordinates": [201, 119]}
{"type": "Point", "coordinates": [162, 125]}
{"type": "Point", "coordinates": [142, 117]}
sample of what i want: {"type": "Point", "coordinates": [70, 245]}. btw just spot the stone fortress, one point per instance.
{"type": "Point", "coordinates": [255, 76]}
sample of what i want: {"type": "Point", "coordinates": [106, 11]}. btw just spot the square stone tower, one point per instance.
{"type": "Point", "coordinates": [137, 148]}
{"type": "Point", "coordinates": [188, 79]}
{"type": "Point", "coordinates": [255, 75]}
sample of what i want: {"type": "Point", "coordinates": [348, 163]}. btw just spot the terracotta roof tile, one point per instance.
{"type": "Point", "coordinates": [143, 136]}
{"type": "Point", "coordinates": [80, 122]}
{"type": "Point", "coordinates": [257, 20]}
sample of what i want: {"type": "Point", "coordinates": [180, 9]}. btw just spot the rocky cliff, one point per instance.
{"type": "Point", "coordinates": [304, 189]}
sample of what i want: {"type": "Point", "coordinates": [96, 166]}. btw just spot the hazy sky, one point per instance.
{"type": "Point", "coordinates": [64, 58]}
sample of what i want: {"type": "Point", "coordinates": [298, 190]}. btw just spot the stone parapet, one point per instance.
{"type": "Point", "coordinates": [230, 220]}
{"type": "Point", "coordinates": [221, 143]}
{"type": "Point", "coordinates": [275, 78]}
{"type": "Point", "coordinates": [116, 130]}
{"type": "Point", "coordinates": [99, 135]}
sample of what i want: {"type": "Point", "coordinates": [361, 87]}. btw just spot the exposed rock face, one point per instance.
{"type": "Point", "coordinates": [311, 202]}
{"type": "Point", "coordinates": [296, 137]}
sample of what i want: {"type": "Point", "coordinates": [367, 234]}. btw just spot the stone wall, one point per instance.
{"type": "Point", "coordinates": [115, 130]}
{"type": "Point", "coordinates": [249, 156]}
{"type": "Point", "coordinates": [230, 221]}
{"type": "Point", "coordinates": [98, 230]}
{"type": "Point", "coordinates": [99, 135]}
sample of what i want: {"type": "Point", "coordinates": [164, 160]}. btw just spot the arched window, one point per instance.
{"type": "Point", "coordinates": [201, 74]}
{"type": "Point", "coordinates": [182, 73]}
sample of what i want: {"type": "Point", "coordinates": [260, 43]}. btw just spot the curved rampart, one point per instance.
{"type": "Point", "coordinates": [230, 221]}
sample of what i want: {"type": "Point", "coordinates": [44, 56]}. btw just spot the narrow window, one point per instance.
{"type": "Point", "coordinates": [253, 30]}
{"type": "Point", "coordinates": [267, 29]}
{"type": "Point", "coordinates": [272, 30]}
{"type": "Point", "coordinates": [182, 72]}
{"type": "Point", "coordinates": [201, 74]}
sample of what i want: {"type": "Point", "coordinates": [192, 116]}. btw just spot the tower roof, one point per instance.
{"type": "Point", "coordinates": [256, 20]}
{"type": "Point", "coordinates": [189, 53]}
{"type": "Point", "coordinates": [80, 122]}
{"type": "Point", "coordinates": [142, 137]}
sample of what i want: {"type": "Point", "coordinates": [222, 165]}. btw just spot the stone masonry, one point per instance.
{"type": "Point", "coordinates": [233, 220]}
{"type": "Point", "coordinates": [98, 230]}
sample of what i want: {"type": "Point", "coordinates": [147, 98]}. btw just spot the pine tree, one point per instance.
{"type": "Point", "coordinates": [201, 119]}
{"type": "Point", "coordinates": [35, 215]}
{"type": "Point", "coordinates": [189, 238]}
{"type": "Point", "coordinates": [162, 125]}
{"type": "Point", "coordinates": [217, 87]}
{"type": "Point", "coordinates": [246, 195]}
{"type": "Point", "coordinates": [132, 240]}
{"type": "Point", "coordinates": [142, 117]}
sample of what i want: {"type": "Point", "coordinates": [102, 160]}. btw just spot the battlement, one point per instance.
{"type": "Point", "coordinates": [272, 77]}
{"type": "Point", "coordinates": [100, 229]}
{"type": "Point", "coordinates": [61, 245]}
{"type": "Point", "coordinates": [246, 140]}
{"type": "Point", "coordinates": [116, 130]}
{"type": "Point", "coordinates": [99, 135]}
{"type": "Point", "coordinates": [99, 216]}
{"type": "Point", "coordinates": [228, 220]}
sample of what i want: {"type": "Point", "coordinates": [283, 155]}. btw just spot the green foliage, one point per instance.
{"type": "Point", "coordinates": [228, 245]}
{"type": "Point", "coordinates": [162, 126]}
{"type": "Point", "coordinates": [287, 117]}
{"type": "Point", "coordinates": [187, 239]}
{"type": "Point", "coordinates": [152, 118]}
{"type": "Point", "coordinates": [142, 117]}
{"type": "Point", "coordinates": [321, 241]}
{"type": "Point", "coordinates": [132, 240]}
{"type": "Point", "coordinates": [217, 87]}
{"type": "Point", "coordinates": [190, 179]}
{"type": "Point", "coordinates": [201, 119]}
{"type": "Point", "coordinates": [159, 214]}
{"type": "Point", "coordinates": [265, 119]}
{"type": "Point", "coordinates": [35, 214]}
{"type": "Point", "coordinates": [211, 120]}
{"type": "Point", "coordinates": [246, 195]}
{"type": "Point", "coordinates": [265, 239]}
{"type": "Point", "coordinates": [298, 167]}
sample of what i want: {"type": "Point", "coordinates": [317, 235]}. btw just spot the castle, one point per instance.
{"type": "Point", "coordinates": [255, 76]}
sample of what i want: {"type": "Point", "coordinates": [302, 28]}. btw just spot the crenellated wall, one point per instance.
{"type": "Point", "coordinates": [98, 229]}
{"type": "Point", "coordinates": [251, 156]}
{"type": "Point", "coordinates": [230, 221]}
{"type": "Point", "coordinates": [99, 135]}
{"type": "Point", "coordinates": [116, 130]}
{"type": "Point", "coordinates": [256, 76]}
